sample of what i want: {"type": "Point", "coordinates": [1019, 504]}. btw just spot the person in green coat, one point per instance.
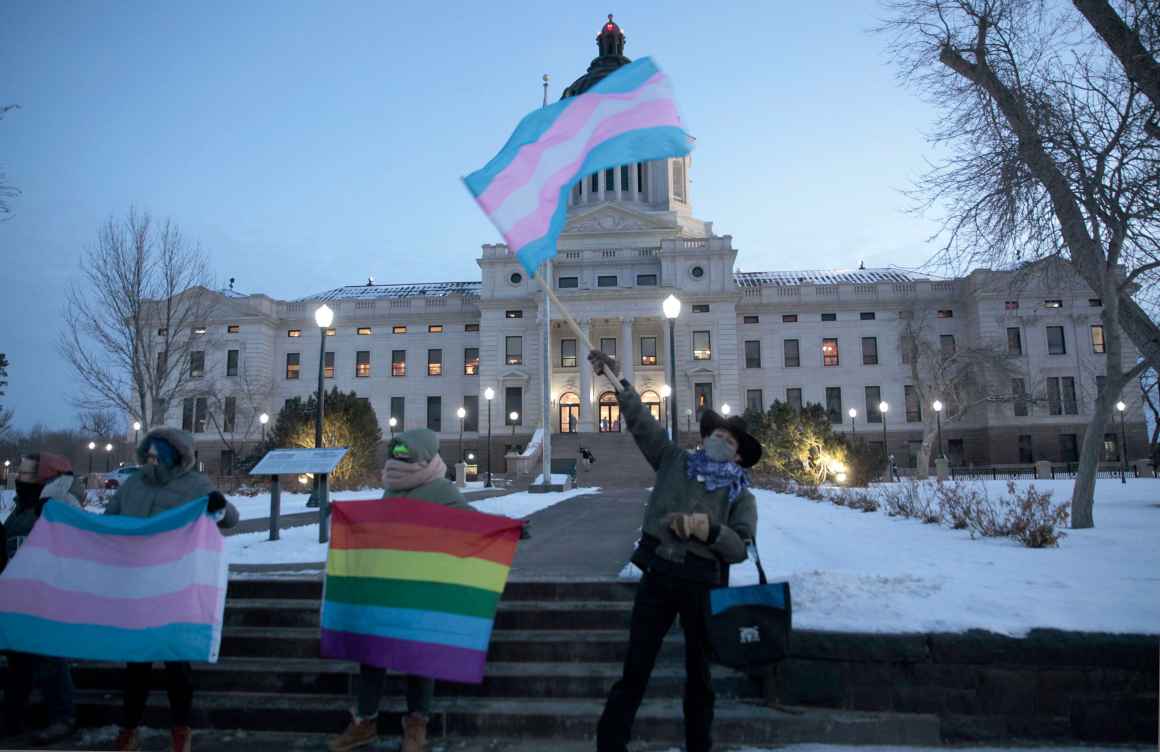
{"type": "Point", "coordinates": [414, 469]}
{"type": "Point", "coordinates": [699, 519]}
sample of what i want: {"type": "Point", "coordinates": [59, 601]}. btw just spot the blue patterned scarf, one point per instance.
{"type": "Point", "coordinates": [717, 474]}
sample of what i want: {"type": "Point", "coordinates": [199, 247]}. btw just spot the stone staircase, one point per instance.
{"type": "Point", "coordinates": [555, 652]}
{"type": "Point", "coordinates": [619, 463]}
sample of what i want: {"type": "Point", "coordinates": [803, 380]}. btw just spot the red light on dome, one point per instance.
{"type": "Point", "coordinates": [609, 27]}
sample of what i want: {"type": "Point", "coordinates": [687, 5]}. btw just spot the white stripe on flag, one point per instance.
{"type": "Point", "coordinates": [199, 567]}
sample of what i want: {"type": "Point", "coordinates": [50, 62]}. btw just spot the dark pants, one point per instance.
{"type": "Point", "coordinates": [372, 680]}
{"type": "Point", "coordinates": [659, 599]}
{"type": "Point", "coordinates": [178, 684]}
{"type": "Point", "coordinates": [54, 678]}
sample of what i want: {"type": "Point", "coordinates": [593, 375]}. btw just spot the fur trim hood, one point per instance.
{"type": "Point", "coordinates": [181, 441]}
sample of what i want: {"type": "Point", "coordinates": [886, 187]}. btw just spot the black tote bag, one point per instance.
{"type": "Point", "coordinates": [749, 626]}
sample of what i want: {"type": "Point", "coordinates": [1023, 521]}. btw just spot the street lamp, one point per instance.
{"type": "Point", "coordinates": [882, 408]}
{"type": "Point", "coordinates": [1123, 444]}
{"type": "Point", "coordinates": [488, 395]}
{"type": "Point", "coordinates": [392, 423]}
{"type": "Point", "coordinates": [853, 414]}
{"type": "Point", "coordinates": [938, 406]}
{"type": "Point", "coordinates": [461, 413]}
{"type": "Point", "coordinates": [108, 456]}
{"type": "Point", "coordinates": [324, 317]}
{"type": "Point", "coordinates": [725, 409]}
{"type": "Point", "coordinates": [666, 393]}
{"type": "Point", "coordinates": [672, 308]}
{"type": "Point", "coordinates": [136, 434]}
{"type": "Point", "coordinates": [264, 418]}
{"type": "Point", "coordinates": [513, 416]}
{"type": "Point", "coordinates": [92, 446]}
{"type": "Point", "coordinates": [689, 419]}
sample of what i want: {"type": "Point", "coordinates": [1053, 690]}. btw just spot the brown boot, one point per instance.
{"type": "Point", "coordinates": [126, 740]}
{"type": "Point", "coordinates": [360, 733]}
{"type": "Point", "coordinates": [182, 737]}
{"type": "Point", "coordinates": [414, 733]}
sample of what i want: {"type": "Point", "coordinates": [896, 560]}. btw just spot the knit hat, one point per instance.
{"type": "Point", "coordinates": [49, 466]}
{"type": "Point", "coordinates": [422, 444]}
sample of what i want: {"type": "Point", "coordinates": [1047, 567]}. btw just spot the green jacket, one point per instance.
{"type": "Point", "coordinates": [732, 526]}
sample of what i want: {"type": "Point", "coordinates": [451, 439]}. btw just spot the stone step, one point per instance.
{"type": "Point", "coordinates": [571, 615]}
{"type": "Point", "coordinates": [526, 717]}
{"type": "Point", "coordinates": [310, 588]}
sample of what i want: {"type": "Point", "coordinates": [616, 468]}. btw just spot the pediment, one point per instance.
{"type": "Point", "coordinates": [514, 374]}
{"type": "Point", "coordinates": [614, 218]}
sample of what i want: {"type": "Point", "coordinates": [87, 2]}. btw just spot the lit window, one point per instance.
{"type": "Point", "coordinates": [331, 331]}
{"type": "Point", "coordinates": [946, 313]}
{"type": "Point", "coordinates": [397, 329]}
{"type": "Point", "coordinates": [700, 308]}
{"type": "Point", "coordinates": [362, 364]}
{"type": "Point", "coordinates": [514, 351]}
{"type": "Point", "coordinates": [701, 346]}
{"type": "Point", "coordinates": [648, 351]}
{"type": "Point", "coordinates": [471, 327]}
{"type": "Point", "coordinates": [199, 330]}
{"type": "Point", "coordinates": [293, 365]}
{"type": "Point", "coordinates": [866, 316]}
{"type": "Point", "coordinates": [328, 365]}
{"type": "Point", "coordinates": [568, 283]}
{"type": "Point", "coordinates": [751, 320]}
{"type": "Point", "coordinates": [364, 331]}
{"type": "Point", "coordinates": [233, 329]}
{"type": "Point", "coordinates": [1012, 305]}
{"type": "Point", "coordinates": [606, 280]}
{"type": "Point", "coordinates": [434, 328]}
{"type": "Point", "coordinates": [1098, 338]}
{"type": "Point", "coordinates": [398, 362]}
{"type": "Point", "coordinates": [567, 353]}
{"type": "Point", "coordinates": [829, 352]}
{"type": "Point", "coordinates": [1053, 304]}
{"type": "Point", "coordinates": [829, 317]}
{"type": "Point", "coordinates": [471, 361]}
{"type": "Point", "coordinates": [513, 314]}
{"type": "Point", "coordinates": [294, 333]}
{"type": "Point", "coordinates": [789, 318]}
{"type": "Point", "coordinates": [435, 362]}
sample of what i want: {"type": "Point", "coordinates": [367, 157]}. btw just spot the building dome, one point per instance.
{"type": "Point", "coordinates": [610, 42]}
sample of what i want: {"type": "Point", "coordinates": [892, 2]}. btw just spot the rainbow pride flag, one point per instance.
{"type": "Point", "coordinates": [113, 588]}
{"type": "Point", "coordinates": [413, 586]}
{"type": "Point", "coordinates": [629, 116]}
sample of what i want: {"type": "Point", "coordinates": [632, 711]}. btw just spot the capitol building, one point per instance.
{"type": "Point", "coordinates": [420, 350]}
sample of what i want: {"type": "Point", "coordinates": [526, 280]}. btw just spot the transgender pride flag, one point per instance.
{"type": "Point", "coordinates": [114, 588]}
{"type": "Point", "coordinates": [629, 116]}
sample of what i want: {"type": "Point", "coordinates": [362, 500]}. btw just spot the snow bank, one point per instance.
{"type": "Point", "coordinates": [855, 571]}
{"type": "Point", "coordinates": [524, 504]}
{"type": "Point", "coordinates": [258, 507]}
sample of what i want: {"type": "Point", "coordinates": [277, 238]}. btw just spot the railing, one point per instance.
{"type": "Point", "coordinates": [995, 472]}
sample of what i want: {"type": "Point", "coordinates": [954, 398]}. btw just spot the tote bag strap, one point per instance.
{"type": "Point", "coordinates": [752, 546]}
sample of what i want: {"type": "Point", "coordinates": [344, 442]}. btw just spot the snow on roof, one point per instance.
{"type": "Point", "coordinates": [826, 277]}
{"type": "Point", "coordinates": [372, 292]}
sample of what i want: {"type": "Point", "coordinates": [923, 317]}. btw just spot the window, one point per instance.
{"type": "Point", "coordinates": [697, 272]}
{"type": "Point", "coordinates": [1026, 455]}
{"type": "Point", "coordinates": [1054, 401]}
{"type": "Point", "coordinates": [396, 329]}
{"type": "Point", "coordinates": [648, 351]}
{"type": "Point", "coordinates": [594, 183]}
{"type": "Point", "coordinates": [435, 362]}
{"type": "Point", "coordinates": [609, 180]}
{"type": "Point", "coordinates": [1100, 381]}
{"type": "Point", "coordinates": [294, 333]}
{"type": "Point", "coordinates": [1011, 305]}
{"type": "Point", "coordinates": [229, 414]}
{"type": "Point", "coordinates": [163, 331]}
{"type": "Point", "coordinates": [568, 283]}
{"type": "Point", "coordinates": [873, 397]}
{"type": "Point", "coordinates": [471, 327]}
{"type": "Point", "coordinates": [331, 331]}
{"type": "Point", "coordinates": [750, 320]}
{"type": "Point", "coordinates": [399, 412]}
{"type": "Point", "coordinates": [1014, 341]}
{"type": "Point", "coordinates": [793, 358]}
{"type": "Point", "coordinates": [753, 353]}
{"type": "Point", "coordinates": [193, 414]}
{"type": "Point", "coordinates": [233, 329]}
{"type": "Point", "coordinates": [702, 349]}
{"type": "Point", "coordinates": [187, 414]}
{"type": "Point", "coordinates": [946, 344]}
{"type": "Point", "coordinates": [568, 353]}
{"type": "Point", "coordinates": [516, 278]}
{"type": "Point", "coordinates": [471, 406]}
{"type": "Point", "coordinates": [702, 397]}
{"type": "Point", "coordinates": [646, 280]}
{"type": "Point", "coordinates": [700, 308]}
{"type": "Point", "coordinates": [435, 414]}
{"type": "Point", "coordinates": [866, 316]}
{"type": "Point", "coordinates": [1096, 302]}
{"type": "Point", "coordinates": [196, 364]}
{"type": "Point", "coordinates": [789, 318]}
{"type": "Point", "coordinates": [1068, 447]}
{"type": "Point", "coordinates": [513, 314]}
{"type": "Point", "coordinates": [1053, 304]}
{"type": "Point", "coordinates": [198, 330]}
{"type": "Point", "coordinates": [199, 415]}
{"type": "Point", "coordinates": [830, 352]}
{"type": "Point", "coordinates": [1019, 397]}
{"type": "Point", "coordinates": [514, 351]}
{"type": "Point", "coordinates": [606, 280]}
{"type": "Point", "coordinates": [1070, 406]}
{"type": "Point", "coordinates": [829, 317]}
{"type": "Point", "coordinates": [834, 403]}
{"type": "Point", "coordinates": [513, 402]}
{"type": "Point", "coordinates": [908, 347]}
{"type": "Point", "coordinates": [365, 331]}
{"type": "Point", "coordinates": [793, 398]}
{"type": "Point", "coordinates": [1056, 344]}
{"type": "Point", "coordinates": [608, 346]}
{"type": "Point", "coordinates": [1111, 447]}
{"type": "Point", "coordinates": [434, 328]}
{"type": "Point", "coordinates": [869, 351]}
{"type": "Point", "coordinates": [624, 178]}
{"type": "Point", "coordinates": [753, 400]}
{"type": "Point", "coordinates": [1098, 339]}
{"type": "Point", "coordinates": [328, 365]}
{"type": "Point", "coordinates": [946, 313]}
{"type": "Point", "coordinates": [640, 183]}
{"type": "Point", "coordinates": [398, 362]}
{"type": "Point", "coordinates": [232, 362]}
{"type": "Point", "coordinates": [362, 364]}
{"type": "Point", "coordinates": [913, 405]}
{"type": "Point", "coordinates": [471, 361]}
{"type": "Point", "coordinates": [226, 463]}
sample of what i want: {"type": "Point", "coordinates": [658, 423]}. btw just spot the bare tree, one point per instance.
{"type": "Point", "coordinates": [102, 424]}
{"type": "Point", "coordinates": [234, 404]}
{"type": "Point", "coordinates": [5, 415]}
{"type": "Point", "coordinates": [1150, 394]}
{"type": "Point", "coordinates": [7, 192]}
{"type": "Point", "coordinates": [135, 323]}
{"type": "Point", "coordinates": [1130, 43]}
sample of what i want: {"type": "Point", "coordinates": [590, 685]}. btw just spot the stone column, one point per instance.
{"type": "Point", "coordinates": [633, 183]}
{"type": "Point", "coordinates": [626, 349]}
{"type": "Point", "coordinates": [586, 417]}
{"type": "Point", "coordinates": [616, 182]}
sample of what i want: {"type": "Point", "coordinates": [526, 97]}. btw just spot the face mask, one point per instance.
{"type": "Point", "coordinates": [718, 450]}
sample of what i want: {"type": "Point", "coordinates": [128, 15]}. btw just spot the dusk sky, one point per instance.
{"type": "Point", "coordinates": [309, 145]}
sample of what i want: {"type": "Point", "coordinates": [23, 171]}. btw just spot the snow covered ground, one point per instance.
{"type": "Point", "coordinates": [855, 571]}
{"type": "Point", "coordinates": [300, 544]}
{"type": "Point", "coordinates": [257, 507]}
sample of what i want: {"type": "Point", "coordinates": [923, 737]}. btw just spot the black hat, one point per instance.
{"type": "Point", "coordinates": [748, 447]}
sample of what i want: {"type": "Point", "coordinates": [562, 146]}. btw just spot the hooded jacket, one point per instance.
{"type": "Point", "coordinates": [156, 488]}
{"type": "Point", "coordinates": [424, 446]}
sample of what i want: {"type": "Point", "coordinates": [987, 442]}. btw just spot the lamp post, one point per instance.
{"type": "Point", "coordinates": [725, 409]}
{"type": "Point", "coordinates": [92, 446]}
{"type": "Point", "coordinates": [938, 406]}
{"type": "Point", "coordinates": [461, 413]}
{"type": "Point", "coordinates": [136, 434]}
{"type": "Point", "coordinates": [488, 396]}
{"type": "Point", "coordinates": [264, 418]}
{"type": "Point", "coordinates": [672, 308]}
{"type": "Point", "coordinates": [853, 414]}
{"type": "Point", "coordinates": [513, 416]}
{"type": "Point", "coordinates": [882, 408]}
{"type": "Point", "coordinates": [689, 419]}
{"type": "Point", "coordinates": [391, 424]}
{"type": "Point", "coordinates": [666, 393]}
{"type": "Point", "coordinates": [1123, 444]}
{"type": "Point", "coordinates": [324, 317]}
{"type": "Point", "coordinates": [108, 456]}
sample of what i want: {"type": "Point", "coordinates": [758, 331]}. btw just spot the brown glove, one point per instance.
{"type": "Point", "coordinates": [600, 361]}
{"type": "Point", "coordinates": [685, 526]}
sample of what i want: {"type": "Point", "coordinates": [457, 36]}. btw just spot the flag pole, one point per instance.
{"type": "Point", "coordinates": [547, 285]}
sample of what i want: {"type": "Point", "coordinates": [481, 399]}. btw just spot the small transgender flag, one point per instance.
{"type": "Point", "coordinates": [629, 116]}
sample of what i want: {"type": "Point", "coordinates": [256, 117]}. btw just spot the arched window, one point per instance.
{"type": "Point", "coordinates": [609, 413]}
{"type": "Point", "coordinates": [652, 401]}
{"type": "Point", "coordinates": [569, 412]}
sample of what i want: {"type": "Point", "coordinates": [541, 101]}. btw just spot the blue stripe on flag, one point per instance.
{"type": "Point", "coordinates": [723, 599]}
{"type": "Point", "coordinates": [536, 124]}
{"type": "Point", "coordinates": [640, 145]}
{"type": "Point", "coordinates": [171, 519]}
{"type": "Point", "coordinates": [172, 642]}
{"type": "Point", "coordinates": [471, 632]}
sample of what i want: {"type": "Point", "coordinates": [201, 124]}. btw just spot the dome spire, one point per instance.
{"type": "Point", "coordinates": [610, 43]}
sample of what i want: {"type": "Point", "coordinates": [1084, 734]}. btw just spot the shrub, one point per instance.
{"type": "Point", "coordinates": [1032, 520]}
{"type": "Point", "coordinates": [348, 422]}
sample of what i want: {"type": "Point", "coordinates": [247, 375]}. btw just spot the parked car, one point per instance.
{"type": "Point", "coordinates": [114, 479]}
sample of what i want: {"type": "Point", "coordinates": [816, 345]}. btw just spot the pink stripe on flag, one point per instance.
{"type": "Point", "coordinates": [570, 122]}
{"type": "Point", "coordinates": [69, 542]}
{"type": "Point", "coordinates": [534, 225]}
{"type": "Point", "coordinates": [196, 604]}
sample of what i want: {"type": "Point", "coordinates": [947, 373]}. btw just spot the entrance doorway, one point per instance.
{"type": "Point", "coordinates": [703, 397]}
{"type": "Point", "coordinates": [609, 413]}
{"type": "Point", "coordinates": [569, 412]}
{"type": "Point", "coordinates": [652, 401]}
